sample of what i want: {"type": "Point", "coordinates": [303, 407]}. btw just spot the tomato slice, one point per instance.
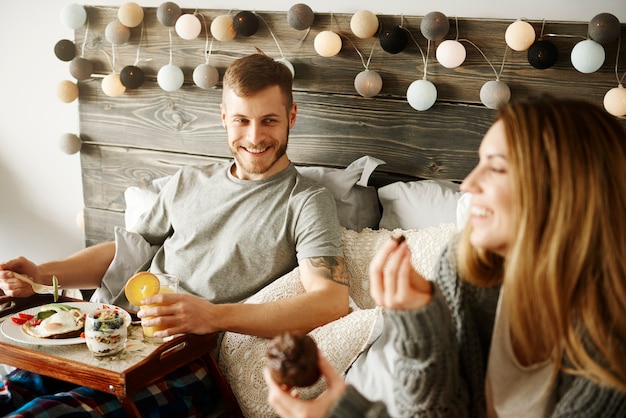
{"type": "Point", "coordinates": [18, 320]}
{"type": "Point", "coordinates": [25, 316]}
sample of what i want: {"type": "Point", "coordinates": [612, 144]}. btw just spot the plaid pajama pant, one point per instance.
{"type": "Point", "coordinates": [186, 392]}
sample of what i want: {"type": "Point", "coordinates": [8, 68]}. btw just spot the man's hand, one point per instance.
{"type": "Point", "coordinates": [12, 286]}
{"type": "Point", "coordinates": [180, 313]}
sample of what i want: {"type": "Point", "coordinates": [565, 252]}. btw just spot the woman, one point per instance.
{"type": "Point", "coordinates": [526, 315]}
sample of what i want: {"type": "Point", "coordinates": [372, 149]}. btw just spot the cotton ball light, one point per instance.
{"type": "Point", "coordinates": [364, 24]}
{"type": "Point", "coordinates": [450, 53]}
{"type": "Point", "coordinates": [70, 143]}
{"type": "Point", "coordinates": [205, 76]}
{"type": "Point", "coordinates": [188, 26]}
{"type": "Point", "coordinates": [368, 83]}
{"type": "Point", "coordinates": [421, 94]}
{"type": "Point", "coordinates": [587, 56]}
{"type": "Point", "coordinates": [112, 85]}
{"type": "Point", "coordinates": [222, 28]}
{"type": "Point", "coordinates": [170, 77]}
{"type": "Point", "coordinates": [67, 91]}
{"type": "Point", "coordinates": [604, 28]}
{"type": "Point", "coordinates": [73, 16]}
{"type": "Point", "coordinates": [65, 50]}
{"type": "Point", "coordinates": [116, 33]}
{"type": "Point", "coordinates": [168, 13]}
{"type": "Point", "coordinates": [131, 77]}
{"type": "Point", "coordinates": [81, 68]}
{"type": "Point", "coordinates": [434, 26]}
{"type": "Point", "coordinates": [130, 14]}
{"type": "Point", "coordinates": [246, 23]}
{"type": "Point", "coordinates": [393, 40]}
{"type": "Point", "coordinates": [300, 16]}
{"type": "Point", "coordinates": [519, 35]}
{"type": "Point", "coordinates": [287, 64]}
{"type": "Point", "coordinates": [542, 54]}
{"type": "Point", "coordinates": [327, 43]}
{"type": "Point", "coordinates": [495, 93]}
{"type": "Point", "coordinates": [615, 101]}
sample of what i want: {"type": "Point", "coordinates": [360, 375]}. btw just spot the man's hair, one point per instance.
{"type": "Point", "coordinates": [564, 273]}
{"type": "Point", "coordinates": [253, 73]}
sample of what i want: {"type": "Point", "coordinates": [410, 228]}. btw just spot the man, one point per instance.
{"type": "Point", "coordinates": [227, 230]}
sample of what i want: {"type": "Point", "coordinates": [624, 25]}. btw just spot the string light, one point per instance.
{"type": "Point", "coordinates": [131, 76]}
{"type": "Point", "coordinates": [80, 67]}
{"type": "Point", "coordinates": [222, 28]}
{"type": "Point", "coordinates": [130, 14]}
{"type": "Point", "coordinates": [615, 99]}
{"type": "Point", "coordinates": [205, 75]}
{"type": "Point", "coordinates": [451, 53]}
{"type": "Point", "coordinates": [246, 23]}
{"type": "Point", "coordinates": [364, 24]}
{"type": "Point", "coordinates": [168, 13]}
{"type": "Point", "coordinates": [300, 16]}
{"type": "Point", "coordinates": [170, 77]}
{"type": "Point", "coordinates": [421, 94]}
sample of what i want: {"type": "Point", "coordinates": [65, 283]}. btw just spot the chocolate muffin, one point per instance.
{"type": "Point", "coordinates": [292, 358]}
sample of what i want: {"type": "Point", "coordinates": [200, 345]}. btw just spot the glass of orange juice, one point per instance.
{"type": "Point", "coordinates": [168, 284]}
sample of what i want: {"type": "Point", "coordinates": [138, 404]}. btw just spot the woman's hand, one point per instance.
{"type": "Point", "coordinates": [394, 283]}
{"type": "Point", "coordinates": [288, 404]}
{"type": "Point", "coordinates": [12, 286]}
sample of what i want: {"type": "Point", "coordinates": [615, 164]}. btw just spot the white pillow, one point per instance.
{"type": "Point", "coordinates": [140, 199]}
{"type": "Point", "coordinates": [418, 204]}
{"type": "Point", "coordinates": [357, 203]}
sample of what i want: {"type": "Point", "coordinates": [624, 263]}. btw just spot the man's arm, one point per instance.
{"type": "Point", "coordinates": [325, 280]}
{"type": "Point", "coordinates": [82, 270]}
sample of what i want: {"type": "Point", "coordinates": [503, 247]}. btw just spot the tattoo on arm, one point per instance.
{"type": "Point", "coordinates": [331, 268]}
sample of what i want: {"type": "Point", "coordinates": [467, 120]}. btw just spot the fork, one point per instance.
{"type": "Point", "coordinates": [37, 287]}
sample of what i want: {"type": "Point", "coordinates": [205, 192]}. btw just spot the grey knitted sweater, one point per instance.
{"type": "Point", "coordinates": [442, 364]}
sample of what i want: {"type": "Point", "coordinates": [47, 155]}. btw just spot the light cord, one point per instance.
{"type": "Point", "coordinates": [486, 59]}
{"type": "Point", "coordinates": [208, 47]}
{"type": "Point", "coordinates": [82, 49]}
{"type": "Point", "coordinates": [271, 33]}
{"type": "Point", "coordinates": [415, 41]}
{"type": "Point", "coordinates": [170, 35]}
{"type": "Point", "coordinates": [139, 45]}
{"type": "Point", "coordinates": [619, 79]}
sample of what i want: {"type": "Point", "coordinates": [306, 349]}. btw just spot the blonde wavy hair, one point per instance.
{"type": "Point", "coordinates": [565, 271]}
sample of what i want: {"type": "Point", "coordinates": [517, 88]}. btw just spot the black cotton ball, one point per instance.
{"type": "Point", "coordinates": [394, 40]}
{"type": "Point", "coordinates": [131, 77]}
{"type": "Point", "coordinates": [65, 50]}
{"type": "Point", "coordinates": [542, 54]}
{"type": "Point", "coordinates": [246, 23]}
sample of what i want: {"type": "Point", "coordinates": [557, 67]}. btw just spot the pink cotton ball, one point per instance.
{"type": "Point", "coordinates": [188, 26]}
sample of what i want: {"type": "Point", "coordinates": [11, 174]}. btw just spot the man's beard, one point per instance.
{"type": "Point", "coordinates": [256, 169]}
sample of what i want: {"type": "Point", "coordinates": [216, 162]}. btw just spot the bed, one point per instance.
{"type": "Point", "coordinates": [391, 168]}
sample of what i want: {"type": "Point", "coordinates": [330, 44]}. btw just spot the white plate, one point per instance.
{"type": "Point", "coordinates": [14, 332]}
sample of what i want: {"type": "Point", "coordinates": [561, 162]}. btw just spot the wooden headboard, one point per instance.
{"type": "Point", "coordinates": [148, 133]}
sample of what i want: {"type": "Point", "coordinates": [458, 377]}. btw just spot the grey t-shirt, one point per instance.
{"type": "Point", "coordinates": [227, 238]}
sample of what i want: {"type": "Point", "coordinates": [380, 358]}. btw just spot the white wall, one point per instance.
{"type": "Point", "coordinates": [40, 186]}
